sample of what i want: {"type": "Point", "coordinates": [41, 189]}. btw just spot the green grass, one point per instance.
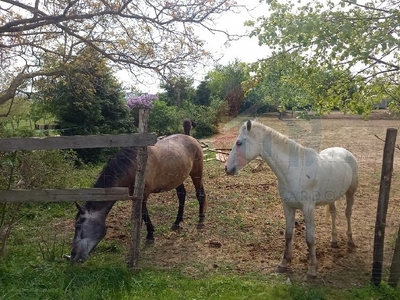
{"type": "Point", "coordinates": [111, 280]}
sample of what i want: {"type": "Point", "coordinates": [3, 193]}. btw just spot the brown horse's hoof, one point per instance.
{"type": "Point", "coordinates": [175, 227]}
{"type": "Point", "coordinates": [149, 242]}
{"type": "Point", "coordinates": [334, 245]}
{"type": "Point", "coordinates": [200, 226]}
{"type": "Point", "coordinates": [311, 277]}
{"type": "Point", "coordinates": [281, 270]}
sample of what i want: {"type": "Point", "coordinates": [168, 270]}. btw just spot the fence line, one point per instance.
{"type": "Point", "coordinates": [141, 140]}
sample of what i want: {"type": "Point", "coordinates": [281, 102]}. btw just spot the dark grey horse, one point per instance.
{"type": "Point", "coordinates": [187, 124]}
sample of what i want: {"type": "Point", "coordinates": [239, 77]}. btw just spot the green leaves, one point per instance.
{"type": "Point", "coordinates": [358, 39]}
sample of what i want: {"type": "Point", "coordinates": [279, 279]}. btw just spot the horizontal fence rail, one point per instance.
{"type": "Point", "coordinates": [72, 142]}
{"type": "Point", "coordinates": [65, 195]}
{"type": "Point", "coordinates": [78, 142]}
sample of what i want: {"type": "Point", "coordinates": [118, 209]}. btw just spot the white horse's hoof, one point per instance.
{"type": "Point", "coordinates": [334, 245]}
{"type": "Point", "coordinates": [351, 244]}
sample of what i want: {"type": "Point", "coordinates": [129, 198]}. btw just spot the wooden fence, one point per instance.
{"type": "Point", "coordinates": [140, 140]}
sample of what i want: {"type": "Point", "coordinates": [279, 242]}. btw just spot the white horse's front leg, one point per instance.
{"type": "Point", "coordinates": [309, 212]}
{"type": "Point", "coordinates": [287, 256]}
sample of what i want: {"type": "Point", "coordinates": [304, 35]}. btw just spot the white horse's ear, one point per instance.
{"type": "Point", "coordinates": [248, 125]}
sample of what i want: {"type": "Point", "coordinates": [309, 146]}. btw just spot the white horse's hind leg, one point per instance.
{"type": "Point", "coordinates": [332, 211]}
{"type": "Point", "coordinates": [287, 256]}
{"type": "Point", "coordinates": [309, 213]}
{"type": "Point", "coordinates": [349, 209]}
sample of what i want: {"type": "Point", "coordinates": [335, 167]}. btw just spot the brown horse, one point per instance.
{"type": "Point", "coordinates": [187, 124]}
{"type": "Point", "coordinates": [170, 161]}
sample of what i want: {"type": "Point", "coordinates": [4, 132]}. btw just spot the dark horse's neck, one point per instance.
{"type": "Point", "coordinates": [116, 169]}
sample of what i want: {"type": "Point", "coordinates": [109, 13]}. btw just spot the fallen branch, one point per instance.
{"type": "Point", "coordinates": [218, 151]}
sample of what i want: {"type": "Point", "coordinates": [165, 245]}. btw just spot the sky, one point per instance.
{"type": "Point", "coordinates": [245, 49]}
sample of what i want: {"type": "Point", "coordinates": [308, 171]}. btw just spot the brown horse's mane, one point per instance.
{"type": "Point", "coordinates": [115, 168]}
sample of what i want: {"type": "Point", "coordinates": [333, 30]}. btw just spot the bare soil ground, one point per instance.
{"type": "Point", "coordinates": [245, 222]}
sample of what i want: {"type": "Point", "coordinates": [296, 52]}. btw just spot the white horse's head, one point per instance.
{"type": "Point", "coordinates": [246, 148]}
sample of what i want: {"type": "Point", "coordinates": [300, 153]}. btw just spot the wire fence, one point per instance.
{"type": "Point", "coordinates": [245, 223]}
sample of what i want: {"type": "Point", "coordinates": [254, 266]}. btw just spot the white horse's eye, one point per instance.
{"type": "Point", "coordinates": [238, 143]}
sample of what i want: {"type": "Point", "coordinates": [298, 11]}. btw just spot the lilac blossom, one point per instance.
{"type": "Point", "coordinates": [142, 101]}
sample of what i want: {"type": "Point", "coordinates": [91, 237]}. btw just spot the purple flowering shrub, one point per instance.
{"type": "Point", "coordinates": [142, 101]}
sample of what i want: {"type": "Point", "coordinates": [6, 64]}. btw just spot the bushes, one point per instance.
{"type": "Point", "coordinates": [29, 170]}
{"type": "Point", "coordinates": [166, 120]}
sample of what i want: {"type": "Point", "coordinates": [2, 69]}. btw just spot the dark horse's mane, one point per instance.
{"type": "Point", "coordinates": [115, 168]}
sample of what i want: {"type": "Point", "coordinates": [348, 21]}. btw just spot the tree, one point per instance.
{"type": "Point", "coordinates": [164, 119]}
{"type": "Point", "coordinates": [178, 89]}
{"type": "Point", "coordinates": [142, 36]}
{"type": "Point", "coordinates": [284, 81]}
{"type": "Point", "coordinates": [203, 94]}
{"type": "Point", "coordinates": [274, 82]}
{"type": "Point", "coordinates": [86, 99]}
{"type": "Point", "coordinates": [338, 36]}
{"type": "Point", "coordinates": [224, 79]}
{"type": "Point", "coordinates": [225, 82]}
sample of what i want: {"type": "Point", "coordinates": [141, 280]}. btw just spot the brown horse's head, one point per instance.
{"type": "Point", "coordinates": [90, 229]}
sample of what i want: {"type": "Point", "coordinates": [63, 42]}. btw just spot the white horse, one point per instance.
{"type": "Point", "coordinates": [306, 178]}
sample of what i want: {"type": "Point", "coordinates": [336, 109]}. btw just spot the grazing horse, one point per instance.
{"type": "Point", "coordinates": [187, 124]}
{"type": "Point", "coordinates": [170, 161]}
{"type": "Point", "coordinates": [306, 178]}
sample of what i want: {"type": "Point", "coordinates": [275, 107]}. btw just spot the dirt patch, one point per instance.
{"type": "Point", "coordinates": [244, 232]}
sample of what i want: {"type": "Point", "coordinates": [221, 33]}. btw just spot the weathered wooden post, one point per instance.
{"type": "Point", "coordinates": [144, 103]}
{"type": "Point", "coordinates": [383, 200]}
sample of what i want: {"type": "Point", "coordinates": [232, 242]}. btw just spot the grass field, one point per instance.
{"type": "Point", "coordinates": [235, 256]}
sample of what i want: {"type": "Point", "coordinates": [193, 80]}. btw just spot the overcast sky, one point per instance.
{"type": "Point", "coordinates": [246, 49]}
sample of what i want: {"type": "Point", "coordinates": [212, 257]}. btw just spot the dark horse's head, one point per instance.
{"type": "Point", "coordinates": [187, 124]}
{"type": "Point", "coordinates": [90, 229]}
{"type": "Point", "coordinates": [90, 221]}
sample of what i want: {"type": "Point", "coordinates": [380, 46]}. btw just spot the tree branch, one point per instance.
{"type": "Point", "coordinates": [20, 79]}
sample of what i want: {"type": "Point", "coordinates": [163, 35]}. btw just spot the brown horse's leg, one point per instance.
{"type": "Point", "coordinates": [181, 192]}
{"type": "Point", "coordinates": [147, 222]}
{"type": "Point", "coordinates": [197, 178]}
{"type": "Point", "coordinates": [201, 197]}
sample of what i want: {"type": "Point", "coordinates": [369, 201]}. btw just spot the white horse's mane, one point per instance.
{"type": "Point", "coordinates": [283, 139]}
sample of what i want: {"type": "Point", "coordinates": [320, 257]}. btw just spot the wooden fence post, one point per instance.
{"type": "Point", "coordinates": [383, 200]}
{"type": "Point", "coordinates": [136, 213]}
